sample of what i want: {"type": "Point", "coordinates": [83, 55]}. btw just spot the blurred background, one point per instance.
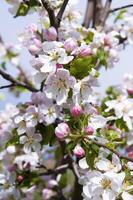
{"type": "Point", "coordinates": [10, 27]}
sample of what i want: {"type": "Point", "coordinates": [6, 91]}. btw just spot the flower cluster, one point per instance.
{"type": "Point", "coordinates": [66, 132]}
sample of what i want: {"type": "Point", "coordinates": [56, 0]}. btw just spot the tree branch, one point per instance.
{"type": "Point", "coordinates": [105, 13]}
{"type": "Point", "coordinates": [120, 8]}
{"type": "Point", "coordinates": [112, 150]}
{"type": "Point", "coordinates": [88, 14]}
{"type": "Point", "coordinates": [7, 86]}
{"type": "Point", "coordinates": [94, 13]}
{"type": "Point", "coordinates": [51, 13]}
{"type": "Point", "coordinates": [56, 171]}
{"type": "Point", "coordinates": [61, 11]}
{"type": "Point", "coordinates": [15, 82]}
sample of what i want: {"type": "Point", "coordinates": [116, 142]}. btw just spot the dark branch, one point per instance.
{"type": "Point", "coordinates": [56, 171]}
{"type": "Point", "coordinates": [15, 82]}
{"type": "Point", "coordinates": [105, 13]}
{"type": "Point", "coordinates": [112, 150]}
{"type": "Point", "coordinates": [7, 86]}
{"type": "Point", "coordinates": [94, 13]}
{"type": "Point", "coordinates": [51, 13]}
{"type": "Point", "coordinates": [88, 13]}
{"type": "Point", "coordinates": [120, 8]}
{"type": "Point", "coordinates": [61, 11]}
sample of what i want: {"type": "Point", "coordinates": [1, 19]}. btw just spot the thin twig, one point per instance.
{"type": "Point", "coordinates": [120, 8]}
{"type": "Point", "coordinates": [55, 171]}
{"type": "Point", "coordinates": [7, 86]}
{"type": "Point", "coordinates": [112, 150]}
{"type": "Point", "coordinates": [61, 11]}
{"type": "Point", "coordinates": [51, 13]}
{"type": "Point", "coordinates": [15, 82]}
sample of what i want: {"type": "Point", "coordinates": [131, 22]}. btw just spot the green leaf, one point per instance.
{"type": "Point", "coordinates": [66, 179]}
{"type": "Point", "coordinates": [90, 157]}
{"type": "Point", "coordinates": [121, 124]}
{"type": "Point", "coordinates": [102, 56]}
{"type": "Point", "coordinates": [112, 134]}
{"type": "Point", "coordinates": [120, 15]}
{"type": "Point", "coordinates": [22, 10]}
{"type": "Point", "coordinates": [25, 7]}
{"type": "Point", "coordinates": [80, 67]}
{"type": "Point", "coordinates": [70, 146]}
{"type": "Point", "coordinates": [89, 37]}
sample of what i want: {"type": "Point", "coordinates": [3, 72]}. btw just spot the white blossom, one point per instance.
{"type": "Point", "coordinates": [58, 85]}
{"type": "Point", "coordinates": [31, 141]}
{"type": "Point", "coordinates": [123, 109]}
{"type": "Point", "coordinates": [106, 186]}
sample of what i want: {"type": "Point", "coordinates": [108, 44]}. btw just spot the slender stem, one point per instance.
{"type": "Point", "coordinates": [57, 170]}
{"type": "Point", "coordinates": [112, 150]}
{"type": "Point", "coordinates": [51, 13]}
{"type": "Point", "coordinates": [7, 86]}
{"type": "Point", "coordinates": [15, 82]}
{"type": "Point", "coordinates": [120, 8]}
{"type": "Point", "coordinates": [61, 11]}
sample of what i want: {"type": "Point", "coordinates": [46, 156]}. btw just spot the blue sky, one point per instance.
{"type": "Point", "coordinates": [10, 27]}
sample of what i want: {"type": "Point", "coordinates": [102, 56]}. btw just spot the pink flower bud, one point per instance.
{"type": "Point", "coordinates": [62, 130]}
{"type": "Point", "coordinates": [50, 34]}
{"type": "Point", "coordinates": [20, 178]}
{"type": "Point", "coordinates": [70, 45]}
{"type": "Point", "coordinates": [76, 111]}
{"type": "Point", "coordinates": [79, 151]}
{"type": "Point", "coordinates": [89, 130]}
{"type": "Point", "coordinates": [107, 41]}
{"type": "Point", "coordinates": [130, 91]}
{"type": "Point", "coordinates": [85, 51]}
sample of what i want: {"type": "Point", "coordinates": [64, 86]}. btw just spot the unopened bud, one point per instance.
{"type": "Point", "coordinates": [76, 111]}
{"type": "Point", "coordinates": [62, 130]}
{"type": "Point", "coordinates": [50, 34]}
{"type": "Point", "coordinates": [79, 151]}
{"type": "Point", "coordinates": [89, 130]}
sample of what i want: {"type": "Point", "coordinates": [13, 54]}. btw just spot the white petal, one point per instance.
{"type": "Point", "coordinates": [127, 196]}
{"type": "Point", "coordinates": [23, 139]}
{"type": "Point", "coordinates": [83, 163]}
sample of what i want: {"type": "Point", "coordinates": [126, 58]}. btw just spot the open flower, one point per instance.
{"type": "Point", "coordinates": [58, 85]}
{"type": "Point", "coordinates": [104, 164]}
{"type": "Point", "coordinates": [106, 186]}
{"type": "Point", "coordinates": [83, 88]}
{"type": "Point", "coordinates": [123, 109]}
{"type": "Point", "coordinates": [31, 141]}
{"type": "Point", "coordinates": [53, 55]}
